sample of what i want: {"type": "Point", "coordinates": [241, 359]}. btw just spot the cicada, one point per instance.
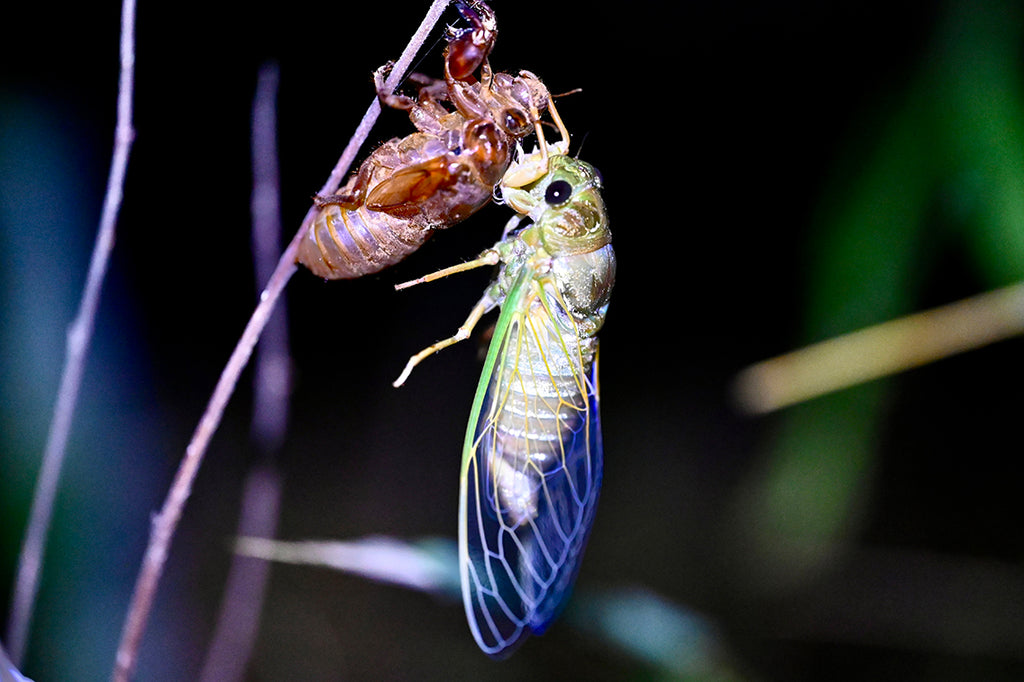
{"type": "Point", "coordinates": [438, 176]}
{"type": "Point", "coordinates": [532, 458]}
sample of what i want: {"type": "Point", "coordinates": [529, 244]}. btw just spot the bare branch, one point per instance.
{"type": "Point", "coordinates": [165, 523]}
{"type": "Point", "coordinates": [79, 336]}
{"type": "Point", "coordinates": [8, 671]}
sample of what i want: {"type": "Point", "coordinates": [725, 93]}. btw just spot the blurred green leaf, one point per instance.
{"type": "Point", "coordinates": [956, 136]}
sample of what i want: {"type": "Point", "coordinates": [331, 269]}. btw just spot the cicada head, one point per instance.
{"type": "Point", "coordinates": [566, 207]}
{"type": "Point", "coordinates": [514, 103]}
{"type": "Point", "coordinates": [496, 103]}
{"type": "Point", "coordinates": [517, 102]}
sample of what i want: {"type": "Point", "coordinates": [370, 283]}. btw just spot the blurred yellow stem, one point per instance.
{"type": "Point", "coordinates": [881, 350]}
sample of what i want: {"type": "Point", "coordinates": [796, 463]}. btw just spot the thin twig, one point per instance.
{"type": "Point", "coordinates": [881, 350]}
{"type": "Point", "coordinates": [430, 566]}
{"type": "Point", "coordinates": [79, 337]}
{"type": "Point", "coordinates": [238, 621]}
{"type": "Point", "coordinates": [165, 523]}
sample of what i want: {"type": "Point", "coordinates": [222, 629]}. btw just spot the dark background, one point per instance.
{"type": "Point", "coordinates": [871, 535]}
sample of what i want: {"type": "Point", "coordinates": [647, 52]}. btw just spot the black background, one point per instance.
{"type": "Point", "coordinates": [716, 127]}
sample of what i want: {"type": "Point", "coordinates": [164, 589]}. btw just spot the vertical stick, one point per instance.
{"type": "Point", "coordinates": [239, 617]}
{"type": "Point", "coordinates": [30, 561]}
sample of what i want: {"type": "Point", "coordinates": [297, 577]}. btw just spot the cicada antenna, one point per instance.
{"type": "Point", "coordinates": [579, 150]}
{"type": "Point", "coordinates": [574, 91]}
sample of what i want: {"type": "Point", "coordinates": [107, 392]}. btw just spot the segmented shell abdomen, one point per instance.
{"type": "Point", "coordinates": [347, 243]}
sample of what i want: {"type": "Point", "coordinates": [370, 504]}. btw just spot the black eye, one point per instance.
{"type": "Point", "coordinates": [558, 192]}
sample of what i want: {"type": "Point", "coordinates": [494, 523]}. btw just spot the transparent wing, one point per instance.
{"type": "Point", "coordinates": [531, 469]}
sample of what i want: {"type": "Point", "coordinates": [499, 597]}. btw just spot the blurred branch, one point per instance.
{"type": "Point", "coordinates": [918, 600]}
{"type": "Point", "coordinates": [238, 621]}
{"type": "Point", "coordinates": [427, 566]}
{"type": "Point", "coordinates": [272, 380]}
{"type": "Point", "coordinates": [165, 523]}
{"type": "Point", "coordinates": [881, 350]}
{"type": "Point", "coordinates": [8, 671]}
{"type": "Point", "coordinates": [639, 623]}
{"type": "Point", "coordinates": [30, 561]}
{"type": "Point", "coordinates": [652, 629]}
{"type": "Point", "coordinates": [951, 140]}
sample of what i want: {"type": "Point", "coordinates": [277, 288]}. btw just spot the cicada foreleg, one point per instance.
{"type": "Point", "coordinates": [489, 257]}
{"type": "Point", "coordinates": [562, 146]}
{"type": "Point", "coordinates": [429, 89]}
{"type": "Point", "coordinates": [531, 167]}
{"type": "Point", "coordinates": [391, 99]}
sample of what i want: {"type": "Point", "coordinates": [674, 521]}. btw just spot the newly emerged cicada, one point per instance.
{"type": "Point", "coordinates": [437, 176]}
{"type": "Point", "coordinates": [532, 458]}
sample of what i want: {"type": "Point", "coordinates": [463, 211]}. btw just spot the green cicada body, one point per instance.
{"type": "Point", "coordinates": [532, 459]}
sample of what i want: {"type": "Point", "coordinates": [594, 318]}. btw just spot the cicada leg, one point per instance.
{"type": "Point", "coordinates": [482, 306]}
{"type": "Point", "coordinates": [511, 225]}
{"type": "Point", "coordinates": [489, 257]}
{"type": "Point", "coordinates": [532, 167]}
{"type": "Point", "coordinates": [352, 194]}
{"type": "Point", "coordinates": [562, 146]}
{"type": "Point", "coordinates": [393, 100]}
{"type": "Point", "coordinates": [429, 89]}
{"type": "Point", "coordinates": [425, 112]}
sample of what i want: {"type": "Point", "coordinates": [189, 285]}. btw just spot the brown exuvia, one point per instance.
{"type": "Point", "coordinates": [437, 176]}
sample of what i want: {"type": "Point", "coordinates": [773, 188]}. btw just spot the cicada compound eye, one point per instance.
{"type": "Point", "coordinates": [515, 122]}
{"type": "Point", "coordinates": [558, 192]}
